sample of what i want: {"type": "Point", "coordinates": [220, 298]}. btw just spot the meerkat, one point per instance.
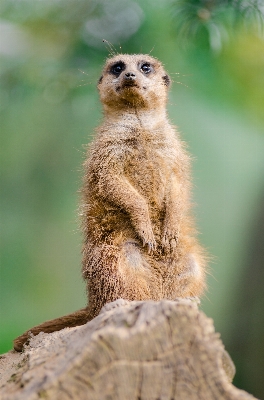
{"type": "Point", "coordinates": [140, 241]}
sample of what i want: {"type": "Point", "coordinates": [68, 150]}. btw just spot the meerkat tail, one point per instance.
{"type": "Point", "coordinates": [79, 317]}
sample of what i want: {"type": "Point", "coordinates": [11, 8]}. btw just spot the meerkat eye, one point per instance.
{"type": "Point", "coordinates": [146, 68]}
{"type": "Point", "coordinates": [117, 68]}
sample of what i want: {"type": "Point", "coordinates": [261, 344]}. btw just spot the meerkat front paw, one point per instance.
{"type": "Point", "coordinates": [147, 236]}
{"type": "Point", "coordinates": [169, 240]}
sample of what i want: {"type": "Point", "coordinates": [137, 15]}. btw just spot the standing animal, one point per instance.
{"type": "Point", "coordinates": [139, 236]}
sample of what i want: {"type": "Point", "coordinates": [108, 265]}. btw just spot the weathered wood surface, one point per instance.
{"type": "Point", "coordinates": [144, 350]}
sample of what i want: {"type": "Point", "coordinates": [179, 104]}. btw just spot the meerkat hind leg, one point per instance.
{"type": "Point", "coordinates": [192, 268]}
{"type": "Point", "coordinates": [140, 280]}
{"type": "Point", "coordinates": [131, 253]}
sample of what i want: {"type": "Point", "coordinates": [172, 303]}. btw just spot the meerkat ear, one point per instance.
{"type": "Point", "coordinates": [100, 80]}
{"type": "Point", "coordinates": [167, 80]}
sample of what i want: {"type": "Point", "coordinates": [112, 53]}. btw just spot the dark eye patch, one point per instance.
{"type": "Point", "coordinates": [117, 68]}
{"type": "Point", "coordinates": [146, 68]}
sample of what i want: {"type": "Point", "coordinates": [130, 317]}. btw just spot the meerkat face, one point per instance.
{"type": "Point", "coordinates": [133, 81]}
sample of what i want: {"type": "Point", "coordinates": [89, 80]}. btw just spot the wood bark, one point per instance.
{"type": "Point", "coordinates": [137, 351]}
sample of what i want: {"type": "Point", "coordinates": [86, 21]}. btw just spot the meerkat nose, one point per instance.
{"type": "Point", "coordinates": [130, 76]}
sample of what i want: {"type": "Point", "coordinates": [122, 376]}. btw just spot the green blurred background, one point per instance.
{"type": "Point", "coordinates": [51, 57]}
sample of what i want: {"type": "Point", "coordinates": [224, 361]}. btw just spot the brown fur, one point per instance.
{"type": "Point", "coordinates": [139, 236]}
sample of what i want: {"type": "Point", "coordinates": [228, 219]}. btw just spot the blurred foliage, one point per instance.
{"type": "Point", "coordinates": [51, 53]}
{"type": "Point", "coordinates": [212, 22]}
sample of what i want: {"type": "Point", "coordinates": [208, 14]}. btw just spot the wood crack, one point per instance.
{"type": "Point", "coordinates": [176, 356]}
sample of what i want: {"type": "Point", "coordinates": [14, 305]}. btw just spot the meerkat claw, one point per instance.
{"type": "Point", "coordinates": [151, 247]}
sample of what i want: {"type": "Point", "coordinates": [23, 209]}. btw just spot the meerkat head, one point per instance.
{"type": "Point", "coordinates": [133, 81]}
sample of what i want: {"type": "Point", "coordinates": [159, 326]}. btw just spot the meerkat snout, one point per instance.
{"type": "Point", "coordinates": [130, 76]}
{"type": "Point", "coordinates": [129, 79]}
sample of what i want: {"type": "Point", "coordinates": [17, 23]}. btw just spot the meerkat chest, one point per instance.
{"type": "Point", "coordinates": [148, 166]}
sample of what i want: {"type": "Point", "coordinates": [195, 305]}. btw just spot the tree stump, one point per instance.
{"type": "Point", "coordinates": [164, 350]}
